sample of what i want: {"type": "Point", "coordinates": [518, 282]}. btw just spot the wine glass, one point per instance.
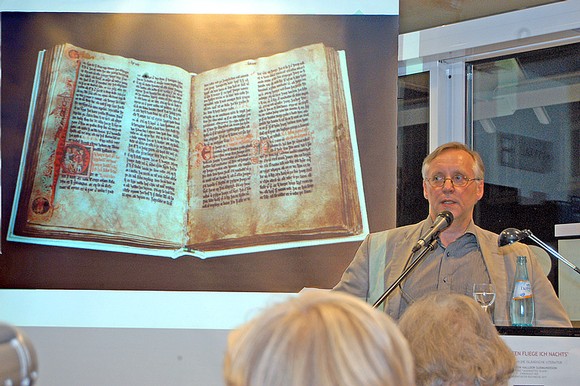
{"type": "Point", "coordinates": [484, 294]}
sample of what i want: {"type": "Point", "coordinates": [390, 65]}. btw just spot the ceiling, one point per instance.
{"type": "Point", "coordinates": [415, 15]}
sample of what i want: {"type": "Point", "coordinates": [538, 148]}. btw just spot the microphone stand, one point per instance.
{"type": "Point", "coordinates": [407, 271]}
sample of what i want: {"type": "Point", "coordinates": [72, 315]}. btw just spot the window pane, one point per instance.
{"type": "Point", "coordinates": [526, 125]}
{"type": "Point", "coordinates": [412, 146]}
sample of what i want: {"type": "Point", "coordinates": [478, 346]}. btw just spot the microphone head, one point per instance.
{"type": "Point", "coordinates": [447, 215]}
{"type": "Point", "coordinates": [511, 235]}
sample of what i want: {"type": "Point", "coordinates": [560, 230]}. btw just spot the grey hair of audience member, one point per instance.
{"type": "Point", "coordinates": [319, 338]}
{"type": "Point", "coordinates": [454, 342]}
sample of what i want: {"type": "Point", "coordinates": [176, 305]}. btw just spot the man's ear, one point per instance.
{"type": "Point", "coordinates": [480, 190]}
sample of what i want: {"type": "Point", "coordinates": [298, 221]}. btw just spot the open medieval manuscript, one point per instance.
{"type": "Point", "coordinates": [124, 154]}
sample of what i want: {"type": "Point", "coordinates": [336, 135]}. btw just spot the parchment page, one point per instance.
{"type": "Point", "coordinates": [264, 158]}
{"type": "Point", "coordinates": [113, 153]}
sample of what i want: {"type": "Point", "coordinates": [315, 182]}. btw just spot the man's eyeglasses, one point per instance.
{"type": "Point", "coordinates": [458, 180]}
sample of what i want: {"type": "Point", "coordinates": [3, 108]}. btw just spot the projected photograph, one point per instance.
{"type": "Point", "coordinates": [128, 153]}
{"type": "Point", "coordinates": [193, 152]}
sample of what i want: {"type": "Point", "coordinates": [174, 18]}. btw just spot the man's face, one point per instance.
{"type": "Point", "coordinates": [458, 200]}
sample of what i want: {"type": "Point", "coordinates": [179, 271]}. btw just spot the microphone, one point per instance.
{"type": "Point", "coordinates": [442, 221]}
{"type": "Point", "coordinates": [511, 235]}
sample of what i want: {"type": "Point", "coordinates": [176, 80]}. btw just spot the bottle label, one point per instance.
{"type": "Point", "coordinates": [522, 290]}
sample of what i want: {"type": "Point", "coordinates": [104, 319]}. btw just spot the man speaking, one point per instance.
{"type": "Point", "coordinates": [463, 254]}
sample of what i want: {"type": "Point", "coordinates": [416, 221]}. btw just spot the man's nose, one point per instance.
{"type": "Point", "coordinates": [448, 186]}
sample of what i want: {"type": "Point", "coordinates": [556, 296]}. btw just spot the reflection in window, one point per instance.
{"type": "Point", "coordinates": [525, 121]}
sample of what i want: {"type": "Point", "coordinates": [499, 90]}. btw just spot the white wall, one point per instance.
{"type": "Point", "coordinates": [128, 356]}
{"type": "Point", "coordinates": [95, 338]}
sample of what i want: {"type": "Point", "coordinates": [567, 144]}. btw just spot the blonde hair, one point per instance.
{"type": "Point", "coordinates": [319, 338]}
{"type": "Point", "coordinates": [478, 166]}
{"type": "Point", "coordinates": [453, 341]}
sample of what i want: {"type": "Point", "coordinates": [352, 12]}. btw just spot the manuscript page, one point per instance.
{"type": "Point", "coordinates": [264, 159]}
{"type": "Point", "coordinates": [113, 148]}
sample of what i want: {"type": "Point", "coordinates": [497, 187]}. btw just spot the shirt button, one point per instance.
{"type": "Point", "coordinates": [448, 254]}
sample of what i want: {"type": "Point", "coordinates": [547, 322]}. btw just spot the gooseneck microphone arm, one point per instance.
{"type": "Point", "coordinates": [406, 272]}
{"type": "Point", "coordinates": [511, 235]}
{"type": "Point", "coordinates": [552, 251]}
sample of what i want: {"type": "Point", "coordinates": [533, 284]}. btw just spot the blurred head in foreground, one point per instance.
{"type": "Point", "coordinates": [454, 342]}
{"type": "Point", "coordinates": [18, 360]}
{"type": "Point", "coordinates": [319, 338]}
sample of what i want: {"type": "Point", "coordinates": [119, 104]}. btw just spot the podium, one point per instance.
{"type": "Point", "coordinates": [547, 356]}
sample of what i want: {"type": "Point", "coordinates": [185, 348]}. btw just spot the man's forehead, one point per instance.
{"type": "Point", "coordinates": [453, 154]}
{"type": "Point", "coordinates": [453, 158]}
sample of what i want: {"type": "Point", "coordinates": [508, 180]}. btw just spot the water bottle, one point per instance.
{"type": "Point", "coordinates": [522, 303]}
